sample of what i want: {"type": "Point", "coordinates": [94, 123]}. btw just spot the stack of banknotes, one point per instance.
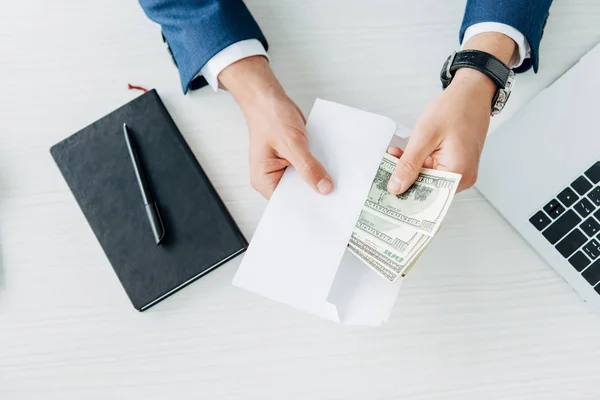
{"type": "Point", "coordinates": [393, 230]}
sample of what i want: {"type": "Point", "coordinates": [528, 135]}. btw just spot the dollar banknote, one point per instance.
{"type": "Point", "coordinates": [393, 231]}
{"type": "Point", "coordinates": [416, 256]}
{"type": "Point", "coordinates": [422, 207]}
{"type": "Point", "coordinates": [374, 264]}
{"type": "Point", "coordinates": [386, 235]}
{"type": "Point", "coordinates": [387, 259]}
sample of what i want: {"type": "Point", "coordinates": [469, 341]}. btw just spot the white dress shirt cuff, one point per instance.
{"type": "Point", "coordinates": [523, 49]}
{"type": "Point", "coordinates": [229, 55]}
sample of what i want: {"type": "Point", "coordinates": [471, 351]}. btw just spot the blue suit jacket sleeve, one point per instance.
{"type": "Point", "coordinates": [527, 16]}
{"type": "Point", "coordinates": [196, 30]}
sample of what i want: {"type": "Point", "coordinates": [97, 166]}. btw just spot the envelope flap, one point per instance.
{"type": "Point", "coordinates": [298, 245]}
{"type": "Point", "coordinates": [360, 296]}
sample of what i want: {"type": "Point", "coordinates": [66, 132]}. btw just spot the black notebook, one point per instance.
{"type": "Point", "coordinates": [200, 234]}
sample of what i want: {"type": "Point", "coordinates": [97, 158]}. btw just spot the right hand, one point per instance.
{"type": "Point", "coordinates": [276, 126]}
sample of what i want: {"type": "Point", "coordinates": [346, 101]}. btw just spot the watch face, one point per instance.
{"type": "Point", "coordinates": [502, 95]}
{"type": "Point", "coordinates": [500, 101]}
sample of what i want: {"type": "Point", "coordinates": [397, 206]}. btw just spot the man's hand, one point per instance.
{"type": "Point", "coordinates": [276, 126]}
{"type": "Point", "coordinates": [450, 133]}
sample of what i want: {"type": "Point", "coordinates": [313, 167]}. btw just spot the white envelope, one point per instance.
{"type": "Point", "coordinates": [298, 255]}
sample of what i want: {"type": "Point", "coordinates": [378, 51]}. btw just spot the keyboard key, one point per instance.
{"type": "Point", "coordinates": [597, 215]}
{"type": "Point", "coordinates": [593, 173]}
{"type": "Point", "coordinates": [579, 261]}
{"type": "Point", "coordinates": [540, 220]}
{"type": "Point", "coordinates": [581, 185]}
{"type": "Point", "coordinates": [561, 226]}
{"type": "Point", "coordinates": [590, 226]}
{"type": "Point", "coordinates": [584, 207]}
{"type": "Point", "coordinates": [568, 197]}
{"type": "Point", "coordinates": [551, 206]}
{"type": "Point", "coordinates": [592, 273]}
{"type": "Point", "coordinates": [557, 211]}
{"type": "Point", "coordinates": [570, 243]}
{"type": "Point", "coordinates": [594, 196]}
{"type": "Point", "coordinates": [597, 289]}
{"type": "Point", "coordinates": [592, 249]}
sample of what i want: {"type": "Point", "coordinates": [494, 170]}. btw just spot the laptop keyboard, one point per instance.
{"type": "Point", "coordinates": [571, 223]}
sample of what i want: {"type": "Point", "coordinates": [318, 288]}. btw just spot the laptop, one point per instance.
{"type": "Point", "coordinates": [541, 170]}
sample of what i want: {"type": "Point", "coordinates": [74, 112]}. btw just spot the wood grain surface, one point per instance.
{"type": "Point", "coordinates": [481, 317]}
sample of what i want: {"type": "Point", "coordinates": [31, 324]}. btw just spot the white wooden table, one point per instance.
{"type": "Point", "coordinates": [482, 317]}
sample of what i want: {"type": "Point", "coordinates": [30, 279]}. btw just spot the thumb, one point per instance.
{"type": "Point", "coordinates": [309, 168]}
{"type": "Point", "coordinates": [408, 167]}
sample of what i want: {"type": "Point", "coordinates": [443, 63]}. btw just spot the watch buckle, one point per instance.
{"type": "Point", "coordinates": [449, 65]}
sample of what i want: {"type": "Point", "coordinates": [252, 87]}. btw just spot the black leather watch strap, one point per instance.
{"type": "Point", "coordinates": [478, 60]}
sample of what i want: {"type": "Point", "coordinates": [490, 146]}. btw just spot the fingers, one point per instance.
{"type": "Point", "coordinates": [395, 151]}
{"type": "Point", "coordinates": [265, 184]}
{"type": "Point", "coordinates": [309, 168]}
{"type": "Point", "coordinates": [462, 159]}
{"type": "Point", "coordinates": [266, 169]}
{"type": "Point", "coordinates": [468, 179]}
{"type": "Point", "coordinates": [410, 163]}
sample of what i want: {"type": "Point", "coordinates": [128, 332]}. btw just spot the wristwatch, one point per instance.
{"type": "Point", "coordinates": [487, 64]}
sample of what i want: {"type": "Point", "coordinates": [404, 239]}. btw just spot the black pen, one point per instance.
{"type": "Point", "coordinates": [150, 206]}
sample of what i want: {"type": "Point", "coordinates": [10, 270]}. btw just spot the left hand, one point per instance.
{"type": "Point", "coordinates": [450, 132]}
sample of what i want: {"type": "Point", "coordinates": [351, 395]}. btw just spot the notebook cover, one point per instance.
{"type": "Point", "coordinates": [200, 232]}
